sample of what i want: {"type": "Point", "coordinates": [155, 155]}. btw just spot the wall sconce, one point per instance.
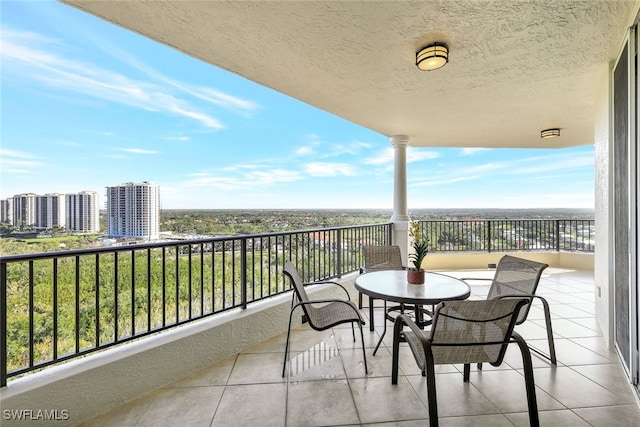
{"type": "Point", "coordinates": [432, 57]}
{"type": "Point", "coordinates": [550, 133]}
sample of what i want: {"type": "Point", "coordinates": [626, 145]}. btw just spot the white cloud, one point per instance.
{"type": "Point", "coordinates": [177, 138]}
{"type": "Point", "coordinates": [468, 151]}
{"type": "Point", "coordinates": [30, 60]}
{"type": "Point", "coordinates": [418, 154]}
{"type": "Point", "coordinates": [384, 157]}
{"type": "Point", "coordinates": [329, 169]}
{"type": "Point", "coordinates": [304, 151]}
{"type": "Point", "coordinates": [14, 161]}
{"type": "Point", "coordinates": [353, 147]}
{"type": "Point", "coordinates": [138, 151]}
{"type": "Point", "coordinates": [245, 180]}
{"type": "Point", "coordinates": [444, 181]}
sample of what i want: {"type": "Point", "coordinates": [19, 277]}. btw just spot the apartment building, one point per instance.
{"type": "Point", "coordinates": [83, 212]}
{"type": "Point", "coordinates": [6, 210]}
{"type": "Point", "coordinates": [50, 211]}
{"type": "Point", "coordinates": [133, 210]}
{"type": "Point", "coordinates": [24, 209]}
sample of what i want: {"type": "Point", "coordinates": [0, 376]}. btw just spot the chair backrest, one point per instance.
{"type": "Point", "coordinates": [382, 258]}
{"type": "Point", "coordinates": [473, 331]}
{"type": "Point", "coordinates": [291, 272]}
{"type": "Point", "coordinates": [516, 276]}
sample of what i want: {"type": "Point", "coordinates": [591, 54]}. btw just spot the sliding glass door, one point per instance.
{"type": "Point", "coordinates": [625, 205]}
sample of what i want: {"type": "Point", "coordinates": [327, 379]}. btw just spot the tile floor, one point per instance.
{"type": "Point", "coordinates": [326, 384]}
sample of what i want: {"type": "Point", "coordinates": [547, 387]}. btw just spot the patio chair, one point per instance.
{"type": "Point", "coordinates": [519, 277]}
{"type": "Point", "coordinates": [321, 314]}
{"type": "Point", "coordinates": [378, 258]}
{"type": "Point", "coordinates": [465, 332]}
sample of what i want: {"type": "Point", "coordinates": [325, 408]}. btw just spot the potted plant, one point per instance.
{"type": "Point", "coordinates": [420, 246]}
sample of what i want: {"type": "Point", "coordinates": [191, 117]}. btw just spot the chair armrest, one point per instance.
{"type": "Point", "coordinates": [403, 319]}
{"type": "Point", "coordinates": [329, 282]}
{"type": "Point", "coordinates": [530, 296]}
{"type": "Point", "coordinates": [475, 278]}
{"type": "Point", "coordinates": [327, 301]}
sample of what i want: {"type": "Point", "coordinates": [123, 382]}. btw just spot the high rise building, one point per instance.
{"type": "Point", "coordinates": [50, 211]}
{"type": "Point", "coordinates": [6, 210]}
{"type": "Point", "coordinates": [24, 209]}
{"type": "Point", "coordinates": [133, 209]}
{"type": "Point", "coordinates": [83, 212]}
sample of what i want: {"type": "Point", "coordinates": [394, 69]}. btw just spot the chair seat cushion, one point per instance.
{"type": "Point", "coordinates": [334, 313]}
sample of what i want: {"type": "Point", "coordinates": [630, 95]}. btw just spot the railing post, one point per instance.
{"type": "Point", "coordinates": [488, 236]}
{"type": "Point", "coordinates": [3, 324]}
{"type": "Point", "coordinates": [557, 235]}
{"type": "Point", "coordinates": [339, 252]}
{"type": "Point", "coordinates": [243, 269]}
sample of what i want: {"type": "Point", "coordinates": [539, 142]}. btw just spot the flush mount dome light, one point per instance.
{"type": "Point", "coordinates": [432, 57]}
{"type": "Point", "coordinates": [550, 133]}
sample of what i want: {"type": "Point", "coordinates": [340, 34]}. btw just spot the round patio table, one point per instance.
{"type": "Point", "coordinates": [392, 285]}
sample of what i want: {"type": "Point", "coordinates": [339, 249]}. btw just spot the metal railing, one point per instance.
{"type": "Point", "coordinates": [503, 235]}
{"type": "Point", "coordinates": [57, 306]}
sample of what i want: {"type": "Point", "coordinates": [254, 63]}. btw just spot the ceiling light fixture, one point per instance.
{"type": "Point", "coordinates": [550, 133]}
{"type": "Point", "coordinates": [432, 57]}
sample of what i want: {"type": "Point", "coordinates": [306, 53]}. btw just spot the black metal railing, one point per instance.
{"type": "Point", "coordinates": [504, 235]}
{"type": "Point", "coordinates": [56, 306]}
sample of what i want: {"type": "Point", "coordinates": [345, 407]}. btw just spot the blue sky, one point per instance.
{"type": "Point", "coordinates": [86, 104]}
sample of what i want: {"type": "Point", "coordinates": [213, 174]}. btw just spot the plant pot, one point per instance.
{"type": "Point", "coordinates": [415, 277]}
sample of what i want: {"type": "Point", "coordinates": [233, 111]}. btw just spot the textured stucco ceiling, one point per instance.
{"type": "Point", "coordinates": [516, 67]}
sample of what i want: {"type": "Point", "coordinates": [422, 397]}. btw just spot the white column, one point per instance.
{"type": "Point", "coordinates": [400, 217]}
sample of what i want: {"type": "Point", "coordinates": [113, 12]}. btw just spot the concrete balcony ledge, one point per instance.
{"type": "Point", "coordinates": [90, 386]}
{"type": "Point", "coordinates": [480, 260]}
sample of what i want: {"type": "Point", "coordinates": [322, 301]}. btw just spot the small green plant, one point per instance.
{"type": "Point", "coordinates": [419, 244]}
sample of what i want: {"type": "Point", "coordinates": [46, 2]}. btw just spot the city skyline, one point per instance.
{"type": "Point", "coordinates": [87, 105]}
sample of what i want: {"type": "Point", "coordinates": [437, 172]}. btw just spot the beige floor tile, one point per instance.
{"type": "Point", "coordinates": [608, 416]}
{"type": "Point", "coordinates": [454, 396]}
{"type": "Point", "coordinates": [496, 420]}
{"type": "Point", "coordinates": [257, 368]}
{"type": "Point", "coordinates": [377, 400]}
{"type": "Point", "coordinates": [564, 418]}
{"type": "Point", "coordinates": [320, 403]}
{"type": "Point", "coordinates": [506, 391]}
{"type": "Point", "coordinates": [252, 405]}
{"type": "Point", "coordinates": [574, 390]}
{"type": "Point", "coordinates": [609, 376]}
{"type": "Point", "coordinates": [217, 374]}
{"type": "Point", "coordinates": [194, 406]}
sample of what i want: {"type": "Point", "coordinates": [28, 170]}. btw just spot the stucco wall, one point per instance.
{"type": "Point", "coordinates": [602, 261]}
{"type": "Point", "coordinates": [472, 260]}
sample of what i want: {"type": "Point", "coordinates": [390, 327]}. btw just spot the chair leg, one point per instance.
{"type": "Point", "coordinates": [397, 328]}
{"type": "Point", "coordinates": [532, 401]}
{"type": "Point", "coordinates": [552, 348]}
{"type": "Point", "coordinates": [360, 300]}
{"type": "Point", "coordinates": [286, 347]}
{"type": "Point", "coordinates": [466, 373]}
{"type": "Point", "coordinates": [364, 352]}
{"type": "Point", "coordinates": [431, 391]}
{"type": "Point", "coordinates": [547, 319]}
{"type": "Point", "coordinates": [371, 314]}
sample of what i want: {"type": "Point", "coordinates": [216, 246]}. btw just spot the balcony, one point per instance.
{"type": "Point", "coordinates": [236, 345]}
{"type": "Point", "coordinates": [326, 383]}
